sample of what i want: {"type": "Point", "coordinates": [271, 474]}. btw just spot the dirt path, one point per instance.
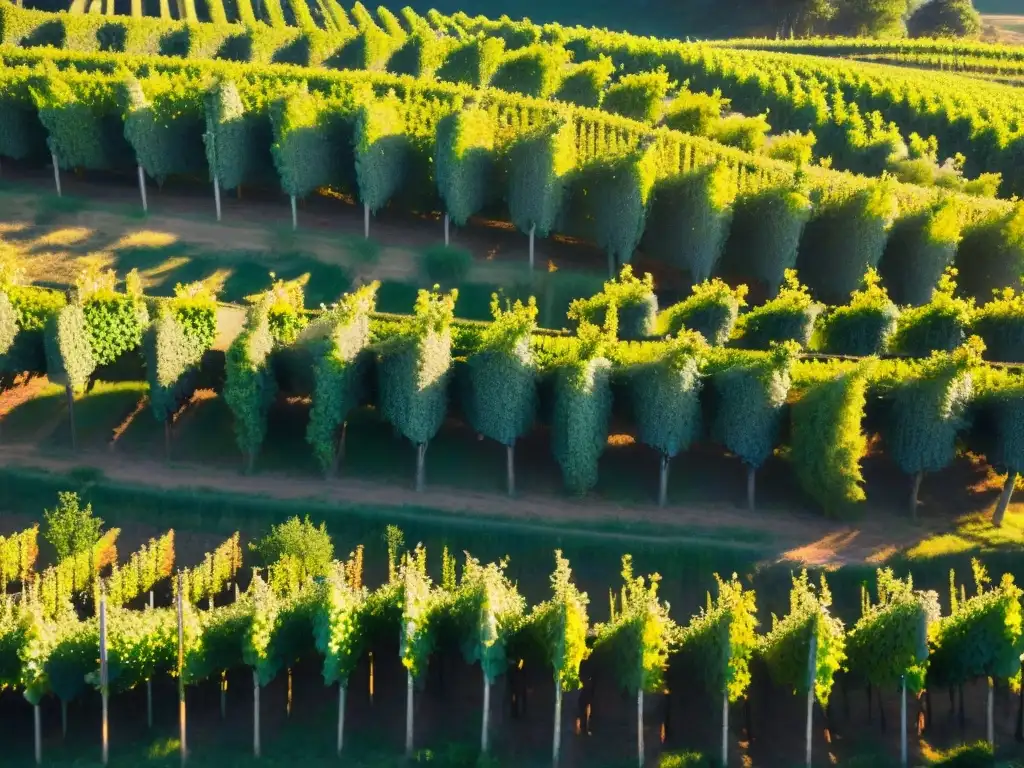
{"type": "Point", "coordinates": [798, 537]}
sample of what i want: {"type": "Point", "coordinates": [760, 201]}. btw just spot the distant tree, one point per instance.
{"type": "Point", "coordinates": [801, 18]}
{"type": "Point", "coordinates": [308, 544]}
{"type": "Point", "coordinates": [945, 18]}
{"type": "Point", "coordinates": [871, 18]}
{"type": "Point", "coordinates": [70, 527]}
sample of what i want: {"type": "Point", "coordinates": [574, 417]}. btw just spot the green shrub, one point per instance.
{"type": "Point", "coordinates": [339, 372]}
{"type": "Point", "coordinates": [232, 138]}
{"type": "Point", "coordinates": [584, 83]}
{"type": "Point", "coordinates": [539, 166]}
{"type": "Point", "coordinates": [535, 70]}
{"type": "Point", "coordinates": [420, 54]}
{"type": "Point", "coordinates": [845, 238]}
{"type": "Point", "coordinates": [175, 344]}
{"type": "Point", "coordinates": [919, 249]}
{"type": "Point", "coordinates": [689, 220]}
{"type": "Point", "coordinates": [413, 369]}
{"type": "Point", "coordinates": [864, 325]}
{"type": "Point", "coordinates": [1000, 324]}
{"type": "Point", "coordinates": [639, 96]}
{"type": "Point", "coordinates": [285, 310]}
{"type": "Point", "coordinates": [634, 300]}
{"type": "Point", "coordinates": [618, 199]}
{"type": "Point", "coordinates": [69, 358]}
{"type": "Point", "coordinates": [583, 402]}
{"type": "Point", "coordinates": [446, 264]}
{"type": "Point", "coordinates": [474, 62]}
{"type": "Point", "coordinates": [695, 113]}
{"type": "Point", "coordinates": [501, 400]}
{"type": "Point", "coordinates": [711, 310]}
{"type": "Point", "coordinates": [765, 234]}
{"type": "Point", "coordinates": [249, 387]}
{"type": "Point", "coordinates": [740, 131]}
{"type": "Point", "coordinates": [792, 147]}
{"type": "Point", "coordinates": [464, 162]}
{"type": "Point", "coordinates": [308, 147]}
{"type": "Point", "coordinates": [8, 325]}
{"type": "Point", "coordinates": [828, 441]}
{"type": "Point", "coordinates": [940, 325]}
{"type": "Point", "coordinates": [991, 255]}
{"type": "Point", "coordinates": [116, 321]}
{"type": "Point", "coordinates": [790, 316]}
{"type": "Point", "coordinates": [665, 395]}
{"type": "Point", "coordinates": [381, 150]}
{"type": "Point", "coordinates": [750, 394]}
{"type": "Point", "coordinates": [33, 307]}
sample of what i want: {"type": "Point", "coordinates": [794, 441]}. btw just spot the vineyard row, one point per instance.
{"type": "Point", "coordinates": [304, 605]}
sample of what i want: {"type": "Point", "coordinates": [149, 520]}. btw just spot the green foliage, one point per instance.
{"type": "Point", "coordinates": [8, 325]}
{"type": "Point", "coordinates": [929, 407]}
{"type": "Point", "coordinates": [828, 440]}
{"type": "Point", "coordinates": [982, 637]}
{"type": "Point", "coordinates": [991, 255]}
{"type": "Point", "coordinates": [258, 649]}
{"type": "Point", "coordinates": [766, 229]}
{"type": "Point", "coordinates": [792, 147]}
{"type": "Point", "coordinates": [740, 131]}
{"type": "Point", "coordinates": [501, 399]}
{"type": "Point", "coordinates": [308, 545]}
{"type": "Point", "coordinates": [413, 369]}
{"type": "Point", "coordinates": [618, 200]}
{"type": "Point", "coordinates": [486, 609]}
{"type": "Point", "coordinates": [639, 96]}
{"type": "Point", "coordinates": [846, 237]}
{"type": "Point", "coordinates": [71, 648]}
{"type": "Point", "coordinates": [890, 640]}
{"type": "Point", "coordinates": [920, 248]}
{"type": "Point", "coordinates": [690, 218]}
{"type": "Point", "coordinates": [69, 357]}
{"type": "Point", "coordinates": [18, 553]}
{"type": "Point", "coordinates": [561, 625]}
{"type": "Point", "coordinates": [722, 639]}
{"type": "Point", "coordinates": [307, 150]}
{"type": "Point", "coordinates": [140, 646]}
{"type": "Point", "coordinates": [116, 321]}
{"type": "Point", "coordinates": [175, 344]}
{"type": "Point", "coordinates": [665, 394]}
{"type": "Point", "coordinates": [790, 316]}
{"type": "Point", "coordinates": [1000, 324]}
{"type": "Point", "coordinates": [750, 396]}
{"type": "Point", "coordinates": [695, 113]}
{"type": "Point", "coordinates": [539, 165]}
{"type": "Point", "coordinates": [340, 633]}
{"type": "Point", "coordinates": [583, 401]}
{"type": "Point", "coordinates": [945, 18]}
{"type": "Point", "coordinates": [464, 162]}
{"type": "Point", "coordinates": [474, 62]}
{"type": "Point", "coordinates": [212, 575]}
{"type": "Point", "coordinates": [640, 634]}
{"type": "Point", "coordinates": [71, 528]}
{"type": "Point", "coordinates": [231, 137]}
{"type": "Point", "coordinates": [147, 566]}
{"type": "Point", "coordinates": [249, 387]}
{"type": "Point", "coordinates": [584, 83]}
{"type": "Point", "coordinates": [865, 325]}
{"type": "Point", "coordinates": [339, 371]}
{"type": "Point", "coordinates": [535, 70]}
{"type": "Point", "coordinates": [381, 150]}
{"type": "Point", "coordinates": [711, 310]}
{"type": "Point", "coordinates": [634, 301]}
{"type": "Point", "coordinates": [76, 111]}
{"type": "Point", "coordinates": [418, 602]}
{"type": "Point", "coordinates": [163, 120]}
{"type": "Point", "coordinates": [940, 325]}
{"type": "Point", "coordinates": [786, 649]}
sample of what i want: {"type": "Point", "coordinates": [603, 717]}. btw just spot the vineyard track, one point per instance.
{"type": "Point", "coordinates": [793, 536]}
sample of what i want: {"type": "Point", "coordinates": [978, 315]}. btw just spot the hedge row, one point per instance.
{"type": "Point", "coordinates": [670, 387]}
{"type": "Point", "coordinates": [622, 185]}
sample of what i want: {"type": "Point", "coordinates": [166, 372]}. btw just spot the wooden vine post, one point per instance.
{"type": "Point", "coordinates": [182, 731]}
{"type": "Point", "coordinates": [142, 190]}
{"type": "Point", "coordinates": [149, 684]}
{"type": "Point", "coordinates": [812, 673]}
{"type": "Point", "coordinates": [103, 682]}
